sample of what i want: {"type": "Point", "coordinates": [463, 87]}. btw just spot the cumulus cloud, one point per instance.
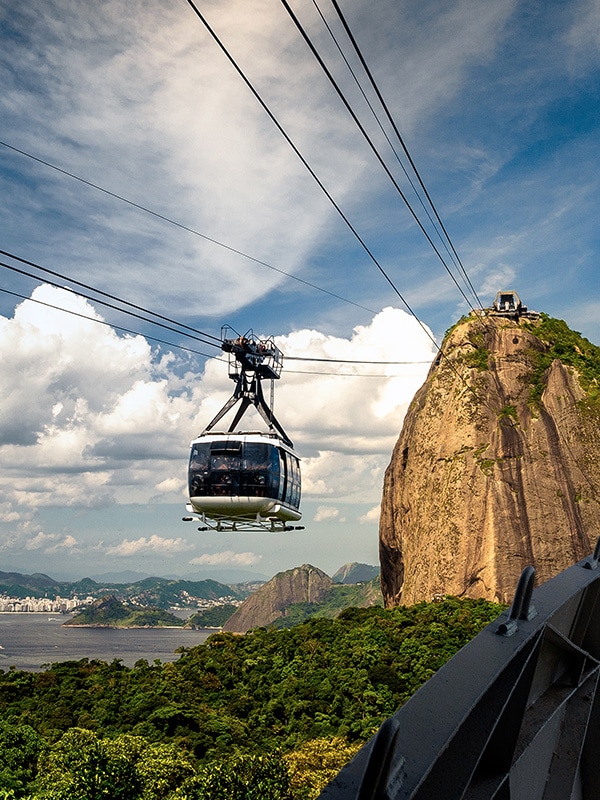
{"type": "Point", "coordinates": [326, 513]}
{"type": "Point", "coordinates": [154, 544]}
{"type": "Point", "coordinates": [227, 557]}
{"type": "Point", "coordinates": [51, 542]}
{"type": "Point", "coordinates": [345, 423]}
{"type": "Point", "coordinates": [41, 539]}
{"type": "Point", "coordinates": [170, 485]}
{"type": "Point", "coordinates": [371, 516]}
{"type": "Point", "coordinates": [91, 418]}
{"type": "Point", "coordinates": [83, 409]}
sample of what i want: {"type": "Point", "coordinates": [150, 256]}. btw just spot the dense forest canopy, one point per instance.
{"type": "Point", "coordinates": [271, 714]}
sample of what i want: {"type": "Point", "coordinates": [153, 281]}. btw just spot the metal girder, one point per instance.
{"type": "Point", "coordinates": [260, 360]}
{"type": "Point", "coordinates": [515, 715]}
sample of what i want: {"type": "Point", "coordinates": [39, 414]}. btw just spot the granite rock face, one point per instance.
{"type": "Point", "coordinates": [305, 584]}
{"type": "Point", "coordinates": [496, 468]}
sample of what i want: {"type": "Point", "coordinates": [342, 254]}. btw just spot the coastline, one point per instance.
{"type": "Point", "coordinates": [127, 627]}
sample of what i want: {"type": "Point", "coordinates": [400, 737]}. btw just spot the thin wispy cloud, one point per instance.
{"type": "Point", "coordinates": [226, 558]}
{"type": "Point", "coordinates": [155, 544]}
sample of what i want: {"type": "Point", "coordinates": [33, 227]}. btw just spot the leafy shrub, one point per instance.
{"type": "Point", "coordinates": [250, 777]}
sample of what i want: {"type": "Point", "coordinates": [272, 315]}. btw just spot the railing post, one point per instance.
{"type": "Point", "coordinates": [521, 607]}
{"type": "Point", "coordinates": [592, 563]}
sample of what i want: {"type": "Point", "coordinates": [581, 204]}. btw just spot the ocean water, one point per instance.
{"type": "Point", "coordinates": [28, 641]}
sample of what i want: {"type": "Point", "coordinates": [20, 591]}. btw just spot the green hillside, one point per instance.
{"type": "Point", "coordinates": [155, 592]}
{"type": "Point", "coordinates": [337, 599]}
{"type": "Point", "coordinates": [272, 714]}
{"type": "Point", "coordinates": [109, 612]}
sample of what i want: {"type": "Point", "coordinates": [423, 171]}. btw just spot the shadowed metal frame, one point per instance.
{"type": "Point", "coordinates": [514, 715]}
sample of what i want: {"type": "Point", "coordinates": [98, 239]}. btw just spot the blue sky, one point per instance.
{"type": "Point", "coordinates": [498, 103]}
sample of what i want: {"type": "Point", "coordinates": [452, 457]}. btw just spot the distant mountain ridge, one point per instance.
{"type": "Point", "coordinates": [287, 599]}
{"type": "Point", "coordinates": [157, 592]}
{"type": "Point", "coordinates": [294, 595]}
{"type": "Point", "coordinates": [29, 584]}
{"type": "Point", "coordinates": [355, 573]}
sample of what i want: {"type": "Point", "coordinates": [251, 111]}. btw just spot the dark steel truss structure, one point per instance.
{"type": "Point", "coordinates": [515, 715]}
{"type": "Point", "coordinates": [251, 360]}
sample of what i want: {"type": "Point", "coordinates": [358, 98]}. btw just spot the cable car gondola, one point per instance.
{"type": "Point", "coordinates": [246, 480]}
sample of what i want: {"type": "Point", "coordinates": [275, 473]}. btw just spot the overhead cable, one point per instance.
{"type": "Point", "coordinates": [217, 341]}
{"type": "Point", "coordinates": [170, 221]}
{"type": "Point", "coordinates": [331, 199]}
{"type": "Point", "coordinates": [369, 141]}
{"type": "Point", "coordinates": [111, 305]}
{"type": "Point", "coordinates": [392, 122]}
{"type": "Point", "coordinates": [104, 322]}
{"type": "Point", "coordinates": [444, 241]}
{"type": "Point", "coordinates": [189, 349]}
{"type": "Point", "coordinates": [313, 174]}
{"type": "Point", "coordinates": [353, 361]}
{"type": "Point", "coordinates": [48, 271]}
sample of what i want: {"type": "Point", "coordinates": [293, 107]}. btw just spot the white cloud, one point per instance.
{"type": "Point", "coordinates": [51, 543]}
{"type": "Point", "coordinates": [171, 485]}
{"type": "Point", "coordinates": [326, 513]}
{"type": "Point", "coordinates": [40, 540]}
{"type": "Point", "coordinates": [91, 418]}
{"type": "Point", "coordinates": [67, 543]}
{"type": "Point", "coordinates": [371, 516]}
{"type": "Point", "coordinates": [345, 427]}
{"type": "Point", "coordinates": [227, 557]}
{"type": "Point", "coordinates": [155, 544]}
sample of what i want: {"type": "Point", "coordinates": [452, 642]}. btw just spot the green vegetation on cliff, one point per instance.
{"type": "Point", "coordinates": [568, 346]}
{"type": "Point", "coordinates": [560, 342]}
{"type": "Point", "coordinates": [211, 618]}
{"type": "Point", "coordinates": [338, 598]}
{"type": "Point", "coordinates": [243, 712]}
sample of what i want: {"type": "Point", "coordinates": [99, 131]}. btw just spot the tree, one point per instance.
{"type": "Point", "coordinates": [81, 766]}
{"type": "Point", "coordinates": [249, 777]}
{"type": "Point", "coordinates": [312, 765]}
{"type": "Point", "coordinates": [20, 747]}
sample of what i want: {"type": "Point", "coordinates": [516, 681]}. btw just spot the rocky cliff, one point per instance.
{"type": "Point", "coordinates": [497, 465]}
{"type": "Point", "coordinates": [305, 584]}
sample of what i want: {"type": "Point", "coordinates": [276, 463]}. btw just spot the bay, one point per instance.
{"type": "Point", "coordinates": [28, 641]}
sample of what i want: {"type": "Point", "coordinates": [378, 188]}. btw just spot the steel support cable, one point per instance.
{"type": "Point", "coordinates": [183, 227]}
{"type": "Point", "coordinates": [401, 140]}
{"type": "Point", "coordinates": [110, 305]}
{"type": "Point", "coordinates": [189, 349]}
{"type": "Point", "coordinates": [104, 294]}
{"type": "Point", "coordinates": [323, 188]}
{"type": "Point", "coordinates": [168, 319]}
{"type": "Point", "coordinates": [369, 141]}
{"type": "Point", "coordinates": [107, 324]}
{"type": "Point", "coordinates": [313, 174]}
{"type": "Point", "coordinates": [335, 40]}
{"type": "Point", "coordinates": [348, 374]}
{"type": "Point", "coordinates": [354, 361]}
